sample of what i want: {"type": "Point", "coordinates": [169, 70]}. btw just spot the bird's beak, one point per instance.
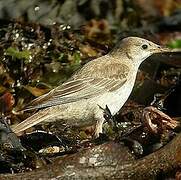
{"type": "Point", "coordinates": [160, 49]}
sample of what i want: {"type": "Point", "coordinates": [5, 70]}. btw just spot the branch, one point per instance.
{"type": "Point", "coordinates": [108, 161]}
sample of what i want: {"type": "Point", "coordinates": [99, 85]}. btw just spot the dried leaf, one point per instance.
{"type": "Point", "coordinates": [36, 91]}
{"type": "Point", "coordinates": [87, 49]}
{"type": "Point", "coordinates": [6, 102]}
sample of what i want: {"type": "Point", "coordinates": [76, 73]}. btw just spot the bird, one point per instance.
{"type": "Point", "coordinates": [106, 81]}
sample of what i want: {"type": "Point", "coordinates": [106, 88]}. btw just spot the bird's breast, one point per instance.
{"type": "Point", "coordinates": [116, 99]}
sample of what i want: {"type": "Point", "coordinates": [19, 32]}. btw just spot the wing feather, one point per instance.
{"type": "Point", "coordinates": [87, 83]}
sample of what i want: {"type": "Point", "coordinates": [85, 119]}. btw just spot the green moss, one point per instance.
{"type": "Point", "coordinates": [77, 59]}
{"type": "Point", "coordinates": [175, 44]}
{"type": "Point", "coordinates": [24, 55]}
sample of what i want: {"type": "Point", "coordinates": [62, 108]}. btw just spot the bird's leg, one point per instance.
{"type": "Point", "coordinates": [99, 118]}
{"type": "Point", "coordinates": [98, 128]}
{"type": "Point", "coordinates": [110, 119]}
{"type": "Point", "coordinates": [104, 115]}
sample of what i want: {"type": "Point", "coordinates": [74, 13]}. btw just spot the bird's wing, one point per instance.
{"type": "Point", "coordinates": [83, 86]}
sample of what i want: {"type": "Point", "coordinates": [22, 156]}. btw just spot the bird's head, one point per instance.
{"type": "Point", "coordinates": [137, 49]}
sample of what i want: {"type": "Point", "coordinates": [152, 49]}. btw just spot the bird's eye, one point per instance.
{"type": "Point", "coordinates": [144, 46]}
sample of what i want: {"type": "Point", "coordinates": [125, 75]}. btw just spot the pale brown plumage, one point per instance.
{"type": "Point", "coordinates": [85, 84]}
{"type": "Point", "coordinates": [105, 81]}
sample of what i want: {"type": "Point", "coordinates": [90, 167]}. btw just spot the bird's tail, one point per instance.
{"type": "Point", "coordinates": [32, 121]}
